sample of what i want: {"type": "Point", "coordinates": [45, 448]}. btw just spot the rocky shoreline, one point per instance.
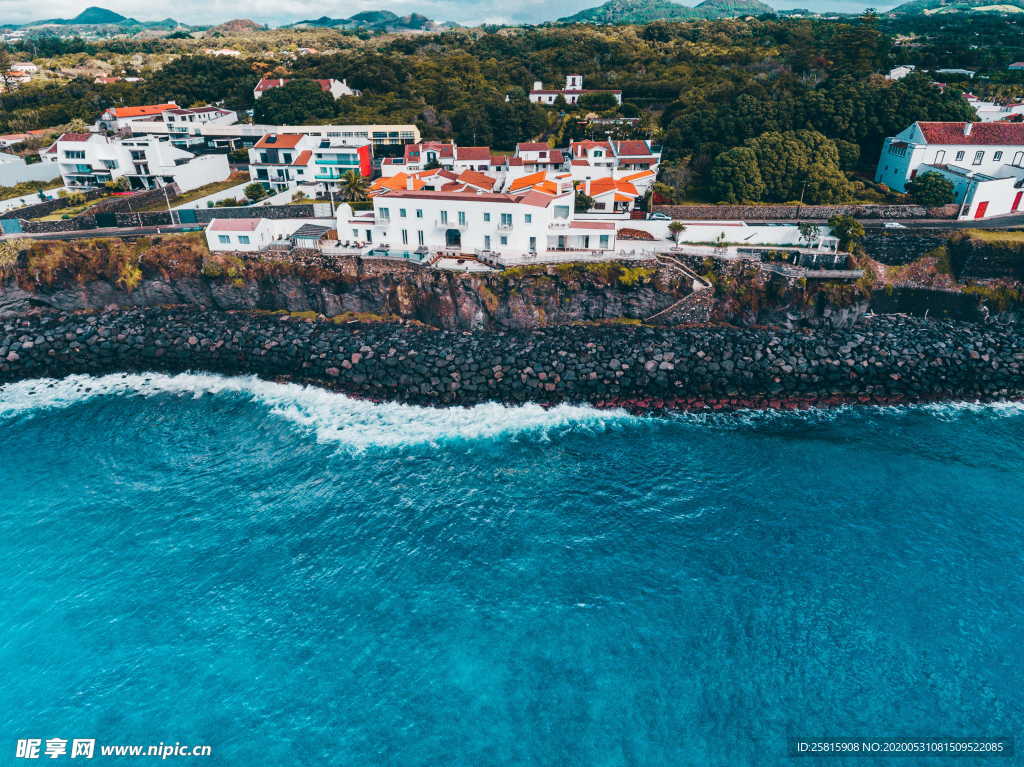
{"type": "Point", "coordinates": [881, 360]}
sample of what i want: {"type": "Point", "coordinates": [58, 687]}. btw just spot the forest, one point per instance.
{"type": "Point", "coordinates": [765, 109]}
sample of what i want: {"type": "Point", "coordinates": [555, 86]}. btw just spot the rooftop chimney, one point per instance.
{"type": "Point", "coordinates": [967, 128]}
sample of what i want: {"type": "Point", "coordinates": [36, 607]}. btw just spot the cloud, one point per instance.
{"type": "Point", "coordinates": [286, 11]}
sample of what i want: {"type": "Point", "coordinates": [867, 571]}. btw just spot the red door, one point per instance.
{"type": "Point", "coordinates": [1016, 201]}
{"type": "Point", "coordinates": [980, 212]}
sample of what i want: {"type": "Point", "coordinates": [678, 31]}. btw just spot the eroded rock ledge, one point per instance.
{"type": "Point", "coordinates": [882, 359]}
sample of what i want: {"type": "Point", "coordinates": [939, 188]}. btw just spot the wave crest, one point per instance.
{"type": "Point", "coordinates": [331, 416]}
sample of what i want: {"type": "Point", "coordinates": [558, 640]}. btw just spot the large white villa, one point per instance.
{"type": "Point", "coordinates": [984, 160]}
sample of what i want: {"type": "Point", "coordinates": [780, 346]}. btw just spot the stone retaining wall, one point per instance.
{"type": "Point", "coordinates": [880, 360]}
{"type": "Point", "coordinates": [792, 212]}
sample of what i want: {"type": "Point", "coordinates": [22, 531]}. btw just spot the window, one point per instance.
{"type": "Point", "coordinates": [978, 157]}
{"type": "Point", "coordinates": [506, 220]}
{"type": "Point", "coordinates": [385, 213]}
{"type": "Point", "coordinates": [959, 156]}
{"type": "Point", "coordinates": [997, 156]}
{"type": "Point", "coordinates": [462, 218]}
{"type": "Point", "coordinates": [487, 217]}
{"type": "Point", "coordinates": [401, 212]}
{"type": "Point", "coordinates": [604, 241]}
{"type": "Point", "coordinates": [503, 240]}
{"type": "Point", "coordinates": [243, 239]}
{"type": "Point", "coordinates": [405, 236]}
{"type": "Point", "coordinates": [419, 213]}
{"type": "Point", "coordinates": [1018, 160]}
{"type": "Point", "coordinates": [533, 244]}
{"type": "Point", "coordinates": [487, 242]}
{"type": "Point", "coordinates": [444, 217]}
{"type": "Point", "coordinates": [262, 173]}
{"type": "Point", "coordinates": [419, 237]}
{"type": "Point", "coordinates": [940, 157]}
{"type": "Point", "coordinates": [75, 154]}
{"type": "Point", "coordinates": [355, 233]}
{"type": "Point", "coordinates": [286, 157]}
{"type": "Point", "coordinates": [223, 239]}
{"type": "Point", "coordinates": [561, 211]}
{"type": "Point", "coordinates": [529, 218]}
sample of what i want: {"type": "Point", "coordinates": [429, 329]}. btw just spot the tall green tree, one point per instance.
{"type": "Point", "coordinates": [736, 176]}
{"type": "Point", "coordinates": [295, 103]}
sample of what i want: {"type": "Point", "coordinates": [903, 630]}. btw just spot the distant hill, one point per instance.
{"type": "Point", "coordinates": [374, 21]}
{"type": "Point", "coordinates": [236, 27]}
{"type": "Point", "coordinates": [94, 16]}
{"type": "Point", "coordinates": [933, 7]}
{"type": "Point", "coordinates": [643, 11]}
{"type": "Point", "coordinates": [726, 9]}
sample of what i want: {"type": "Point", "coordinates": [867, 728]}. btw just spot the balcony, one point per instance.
{"type": "Point", "coordinates": [463, 226]}
{"type": "Point", "coordinates": [504, 227]}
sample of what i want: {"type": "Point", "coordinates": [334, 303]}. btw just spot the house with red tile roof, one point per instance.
{"type": "Point", "coordinates": [615, 159]}
{"type": "Point", "coordinates": [461, 219]}
{"type": "Point", "coordinates": [337, 88]}
{"type": "Point", "coordinates": [312, 164]}
{"type": "Point", "coordinates": [972, 155]}
{"type": "Point", "coordinates": [440, 154]}
{"type": "Point", "coordinates": [116, 119]}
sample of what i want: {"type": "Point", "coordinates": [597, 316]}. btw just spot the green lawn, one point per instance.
{"type": "Point", "coordinates": [995, 235]}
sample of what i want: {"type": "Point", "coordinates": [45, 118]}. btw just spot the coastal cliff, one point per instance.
{"type": "Point", "coordinates": [178, 270]}
{"type": "Point", "coordinates": [880, 360]}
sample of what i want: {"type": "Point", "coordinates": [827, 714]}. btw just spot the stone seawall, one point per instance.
{"type": "Point", "coordinates": [881, 360]}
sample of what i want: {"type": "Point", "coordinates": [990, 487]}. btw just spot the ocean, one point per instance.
{"type": "Point", "coordinates": [291, 576]}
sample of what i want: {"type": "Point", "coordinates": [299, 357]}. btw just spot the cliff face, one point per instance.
{"type": "Point", "coordinates": [177, 270]}
{"type": "Point", "coordinates": [525, 298]}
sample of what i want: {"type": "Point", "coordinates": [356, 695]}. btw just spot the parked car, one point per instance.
{"type": "Point", "coordinates": [894, 225]}
{"type": "Point", "coordinates": [659, 216]}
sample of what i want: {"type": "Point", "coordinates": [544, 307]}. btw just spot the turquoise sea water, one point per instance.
{"type": "Point", "coordinates": [293, 577]}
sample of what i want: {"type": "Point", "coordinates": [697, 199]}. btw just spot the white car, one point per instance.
{"type": "Point", "coordinates": [659, 216]}
{"type": "Point", "coordinates": [894, 225]}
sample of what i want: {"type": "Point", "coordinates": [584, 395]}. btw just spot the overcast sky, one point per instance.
{"type": "Point", "coordinates": [286, 11]}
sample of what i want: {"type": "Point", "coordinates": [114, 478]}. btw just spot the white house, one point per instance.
{"type": "Point", "coordinates": [991, 111]}
{"type": "Point", "coordinates": [980, 195]}
{"type": "Point", "coordinates": [337, 88]}
{"type": "Point", "coordinates": [614, 159]}
{"type": "Point", "coordinates": [466, 222]}
{"type": "Point", "coordinates": [994, 149]}
{"type": "Point", "coordinates": [571, 93]}
{"type": "Point", "coordinates": [248, 235]}
{"type": "Point", "coordinates": [148, 162]}
{"type": "Point", "coordinates": [283, 161]}
{"type": "Point", "coordinates": [898, 73]}
{"type": "Point", "coordinates": [184, 126]}
{"type": "Point", "coordinates": [119, 118]}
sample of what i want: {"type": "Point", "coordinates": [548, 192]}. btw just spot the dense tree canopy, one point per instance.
{"type": "Point", "coordinates": [930, 189]}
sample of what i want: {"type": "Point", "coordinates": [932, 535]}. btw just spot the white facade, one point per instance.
{"type": "Point", "coordinates": [14, 170]}
{"type": "Point", "coordinates": [90, 159]}
{"type": "Point", "coordinates": [248, 235]}
{"type": "Point", "coordinates": [898, 73]}
{"type": "Point", "coordinates": [571, 93]}
{"type": "Point", "coordinates": [978, 195]}
{"type": "Point", "coordinates": [991, 149]}
{"type": "Point", "coordinates": [466, 223]}
{"type": "Point", "coordinates": [990, 111]}
{"type": "Point", "coordinates": [184, 126]}
{"type": "Point", "coordinates": [282, 162]}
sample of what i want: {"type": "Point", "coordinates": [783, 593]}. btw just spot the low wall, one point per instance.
{"type": "Point", "coordinates": [897, 247]}
{"type": "Point", "coordinates": [793, 212]}
{"type": "Point", "coordinates": [642, 367]}
{"type": "Point", "coordinates": [111, 206]}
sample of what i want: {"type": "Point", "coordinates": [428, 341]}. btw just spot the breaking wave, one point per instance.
{"type": "Point", "coordinates": [331, 416]}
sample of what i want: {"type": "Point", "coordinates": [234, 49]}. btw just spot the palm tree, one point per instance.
{"type": "Point", "coordinates": [677, 228]}
{"type": "Point", "coordinates": [353, 186]}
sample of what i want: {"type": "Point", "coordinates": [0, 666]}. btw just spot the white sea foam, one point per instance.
{"type": "Point", "coordinates": [331, 416]}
